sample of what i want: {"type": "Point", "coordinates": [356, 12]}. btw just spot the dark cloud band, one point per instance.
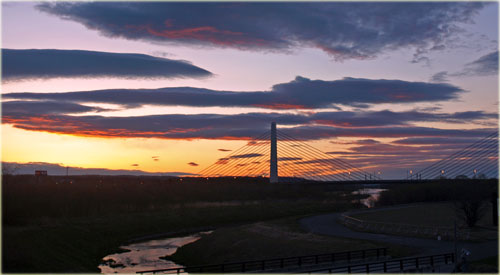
{"type": "Point", "coordinates": [343, 30]}
{"type": "Point", "coordinates": [301, 93]}
{"type": "Point", "coordinates": [45, 107]}
{"type": "Point", "coordinates": [216, 126]}
{"type": "Point", "coordinates": [35, 64]}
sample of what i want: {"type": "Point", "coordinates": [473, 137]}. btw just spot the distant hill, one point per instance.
{"type": "Point", "coordinates": [58, 169]}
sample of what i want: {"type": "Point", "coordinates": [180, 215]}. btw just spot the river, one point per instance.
{"type": "Point", "coordinates": [146, 255]}
{"type": "Point", "coordinates": [374, 194]}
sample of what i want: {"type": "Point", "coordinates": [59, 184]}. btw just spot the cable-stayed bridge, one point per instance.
{"type": "Point", "coordinates": [297, 161]}
{"type": "Point", "coordinates": [281, 157]}
{"type": "Point", "coordinates": [478, 160]}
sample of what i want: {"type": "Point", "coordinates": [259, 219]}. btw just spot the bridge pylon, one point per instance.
{"type": "Point", "coordinates": [273, 173]}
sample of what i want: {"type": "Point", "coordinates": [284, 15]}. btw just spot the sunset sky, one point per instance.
{"type": "Point", "coordinates": [171, 88]}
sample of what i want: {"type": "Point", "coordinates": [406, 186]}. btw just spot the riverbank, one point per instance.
{"type": "Point", "coordinates": [394, 220]}
{"type": "Point", "coordinates": [272, 239]}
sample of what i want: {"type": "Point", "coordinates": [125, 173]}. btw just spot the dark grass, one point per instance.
{"type": "Point", "coordinates": [269, 240]}
{"type": "Point", "coordinates": [443, 214]}
{"type": "Point", "coordinates": [487, 265]}
{"type": "Point", "coordinates": [27, 197]}
{"type": "Point", "coordinates": [439, 190]}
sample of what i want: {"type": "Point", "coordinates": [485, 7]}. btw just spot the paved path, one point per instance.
{"type": "Point", "coordinates": [327, 225]}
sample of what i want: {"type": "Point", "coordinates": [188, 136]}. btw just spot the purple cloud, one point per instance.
{"type": "Point", "coordinates": [483, 66]}
{"type": "Point", "coordinates": [343, 30]}
{"type": "Point", "coordinates": [301, 93]}
{"type": "Point", "coordinates": [486, 65]}
{"type": "Point", "coordinates": [434, 140]}
{"type": "Point", "coordinates": [20, 65]}
{"type": "Point", "coordinates": [212, 126]}
{"type": "Point", "coordinates": [244, 156]}
{"type": "Point", "coordinates": [46, 107]}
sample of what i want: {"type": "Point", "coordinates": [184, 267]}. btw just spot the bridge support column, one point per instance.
{"type": "Point", "coordinates": [273, 173]}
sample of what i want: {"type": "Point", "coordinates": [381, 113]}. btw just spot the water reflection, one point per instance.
{"type": "Point", "coordinates": [146, 255]}
{"type": "Point", "coordinates": [374, 194]}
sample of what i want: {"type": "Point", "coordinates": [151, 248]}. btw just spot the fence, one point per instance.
{"type": "Point", "coordinates": [446, 233]}
{"type": "Point", "coordinates": [278, 263]}
{"type": "Point", "coordinates": [397, 265]}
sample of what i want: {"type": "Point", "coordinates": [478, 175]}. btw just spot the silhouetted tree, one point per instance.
{"type": "Point", "coordinates": [471, 211]}
{"type": "Point", "coordinates": [471, 205]}
{"type": "Point", "coordinates": [8, 169]}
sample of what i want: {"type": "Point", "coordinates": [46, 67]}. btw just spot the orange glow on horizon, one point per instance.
{"type": "Point", "coordinates": [173, 155]}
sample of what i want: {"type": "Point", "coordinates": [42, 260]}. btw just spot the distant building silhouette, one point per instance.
{"type": "Point", "coordinates": [40, 172]}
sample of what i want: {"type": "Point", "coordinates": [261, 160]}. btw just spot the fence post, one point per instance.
{"type": "Point", "coordinates": [385, 251]}
{"type": "Point", "coordinates": [367, 268]}
{"type": "Point", "coordinates": [349, 269]}
{"type": "Point", "coordinates": [281, 263]}
{"type": "Point", "coordinates": [316, 259]}
{"type": "Point", "coordinates": [432, 260]}
{"type": "Point", "coordinates": [333, 257]}
{"type": "Point", "coordinates": [363, 254]}
{"type": "Point", "coordinates": [416, 262]}
{"type": "Point", "coordinates": [300, 261]}
{"type": "Point", "coordinates": [385, 267]}
{"type": "Point", "coordinates": [263, 265]}
{"type": "Point", "coordinates": [243, 267]}
{"type": "Point", "coordinates": [349, 256]}
{"type": "Point", "coordinates": [400, 264]}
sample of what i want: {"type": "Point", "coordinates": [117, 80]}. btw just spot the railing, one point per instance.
{"type": "Point", "coordinates": [396, 265]}
{"type": "Point", "coordinates": [278, 263]}
{"type": "Point", "coordinates": [404, 229]}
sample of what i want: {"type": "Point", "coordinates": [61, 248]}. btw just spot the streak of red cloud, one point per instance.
{"type": "Point", "coordinates": [280, 106]}
{"type": "Point", "coordinates": [201, 33]}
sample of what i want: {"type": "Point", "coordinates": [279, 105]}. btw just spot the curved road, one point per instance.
{"type": "Point", "coordinates": [327, 224]}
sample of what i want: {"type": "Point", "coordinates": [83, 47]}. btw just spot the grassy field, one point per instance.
{"type": "Point", "coordinates": [428, 214]}
{"type": "Point", "coordinates": [488, 265]}
{"type": "Point", "coordinates": [264, 240]}
{"type": "Point", "coordinates": [49, 228]}
{"type": "Point", "coordinates": [434, 191]}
